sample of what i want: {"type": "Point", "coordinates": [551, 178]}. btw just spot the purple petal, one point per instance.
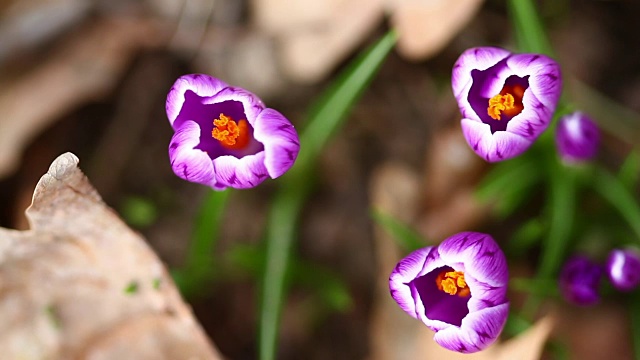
{"type": "Point", "coordinates": [482, 258]}
{"type": "Point", "coordinates": [623, 269]}
{"type": "Point", "coordinates": [533, 120]}
{"type": "Point", "coordinates": [252, 105]}
{"type": "Point", "coordinates": [479, 330]}
{"type": "Point", "coordinates": [406, 271]}
{"type": "Point", "coordinates": [240, 173]}
{"type": "Point", "coordinates": [499, 146]}
{"type": "Point", "coordinates": [577, 138]}
{"type": "Point", "coordinates": [481, 59]}
{"type": "Point", "coordinates": [188, 163]}
{"type": "Point", "coordinates": [201, 84]}
{"type": "Point", "coordinates": [545, 80]}
{"type": "Point", "coordinates": [437, 305]}
{"type": "Point", "coordinates": [280, 140]}
{"type": "Point", "coordinates": [579, 281]}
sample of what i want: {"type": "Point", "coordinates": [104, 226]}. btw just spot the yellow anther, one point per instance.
{"type": "Point", "coordinates": [230, 134]}
{"type": "Point", "coordinates": [453, 282]}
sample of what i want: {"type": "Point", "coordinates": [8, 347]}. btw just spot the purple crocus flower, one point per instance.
{"type": "Point", "coordinates": [579, 280]}
{"type": "Point", "coordinates": [506, 100]}
{"type": "Point", "coordinates": [458, 289]}
{"type": "Point", "coordinates": [623, 269]}
{"type": "Point", "coordinates": [577, 138]}
{"type": "Point", "coordinates": [225, 136]}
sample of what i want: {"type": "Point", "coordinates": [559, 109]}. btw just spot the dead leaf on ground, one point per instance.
{"type": "Point", "coordinates": [452, 172]}
{"type": "Point", "coordinates": [395, 190]}
{"type": "Point", "coordinates": [426, 26]}
{"type": "Point", "coordinates": [81, 285]}
{"type": "Point", "coordinates": [315, 36]}
{"type": "Point", "coordinates": [527, 346]}
{"type": "Point", "coordinates": [84, 69]}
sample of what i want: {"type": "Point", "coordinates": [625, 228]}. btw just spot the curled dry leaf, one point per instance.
{"type": "Point", "coordinates": [426, 26]}
{"type": "Point", "coordinates": [527, 346]}
{"type": "Point", "coordinates": [81, 285]}
{"type": "Point", "coordinates": [316, 35]}
{"type": "Point", "coordinates": [395, 190]}
{"type": "Point", "coordinates": [452, 172]}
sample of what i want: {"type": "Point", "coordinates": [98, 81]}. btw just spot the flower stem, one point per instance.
{"type": "Point", "coordinates": [330, 113]}
{"type": "Point", "coordinates": [198, 266]}
{"type": "Point", "coordinates": [530, 34]}
{"type": "Point", "coordinates": [619, 196]}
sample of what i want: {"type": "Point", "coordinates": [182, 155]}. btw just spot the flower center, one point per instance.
{"type": "Point", "coordinates": [508, 102]}
{"type": "Point", "coordinates": [452, 282]}
{"type": "Point", "coordinates": [231, 135]}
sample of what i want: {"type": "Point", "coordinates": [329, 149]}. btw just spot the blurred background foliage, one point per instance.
{"type": "Point", "coordinates": [383, 167]}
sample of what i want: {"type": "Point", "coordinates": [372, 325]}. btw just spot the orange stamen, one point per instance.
{"type": "Point", "coordinates": [231, 135]}
{"type": "Point", "coordinates": [508, 102]}
{"type": "Point", "coordinates": [453, 283]}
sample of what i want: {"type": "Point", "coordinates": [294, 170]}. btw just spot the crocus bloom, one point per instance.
{"type": "Point", "coordinates": [577, 138]}
{"type": "Point", "coordinates": [225, 136]}
{"type": "Point", "coordinates": [623, 269]}
{"type": "Point", "coordinates": [579, 281]}
{"type": "Point", "coordinates": [506, 100]}
{"type": "Point", "coordinates": [458, 289]}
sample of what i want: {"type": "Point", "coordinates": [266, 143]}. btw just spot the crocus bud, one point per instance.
{"type": "Point", "coordinates": [577, 138]}
{"type": "Point", "coordinates": [579, 281]}
{"type": "Point", "coordinates": [623, 269]}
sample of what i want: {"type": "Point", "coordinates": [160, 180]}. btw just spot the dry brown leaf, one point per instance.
{"type": "Point", "coordinates": [452, 172]}
{"type": "Point", "coordinates": [395, 190]}
{"type": "Point", "coordinates": [425, 26]}
{"type": "Point", "coordinates": [316, 35]}
{"type": "Point", "coordinates": [86, 68]}
{"type": "Point", "coordinates": [81, 285]}
{"type": "Point", "coordinates": [526, 346]}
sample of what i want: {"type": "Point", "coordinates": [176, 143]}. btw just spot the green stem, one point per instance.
{"type": "Point", "coordinates": [562, 208]}
{"type": "Point", "coordinates": [618, 195]}
{"type": "Point", "coordinates": [296, 185]}
{"type": "Point", "coordinates": [198, 267]}
{"type": "Point", "coordinates": [529, 30]}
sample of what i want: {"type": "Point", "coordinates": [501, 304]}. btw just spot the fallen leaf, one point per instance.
{"type": "Point", "coordinates": [426, 26]}
{"type": "Point", "coordinates": [452, 172]}
{"type": "Point", "coordinates": [315, 36]}
{"type": "Point", "coordinates": [526, 346]}
{"type": "Point", "coordinates": [81, 285]}
{"type": "Point", "coordinates": [395, 191]}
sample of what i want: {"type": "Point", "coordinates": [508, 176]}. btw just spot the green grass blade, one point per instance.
{"type": "Point", "coordinates": [198, 267]}
{"type": "Point", "coordinates": [330, 112]}
{"type": "Point", "coordinates": [405, 236]}
{"type": "Point", "coordinates": [530, 34]}
{"type": "Point", "coordinates": [630, 170]}
{"type": "Point", "coordinates": [562, 207]}
{"type": "Point", "coordinates": [618, 195]}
